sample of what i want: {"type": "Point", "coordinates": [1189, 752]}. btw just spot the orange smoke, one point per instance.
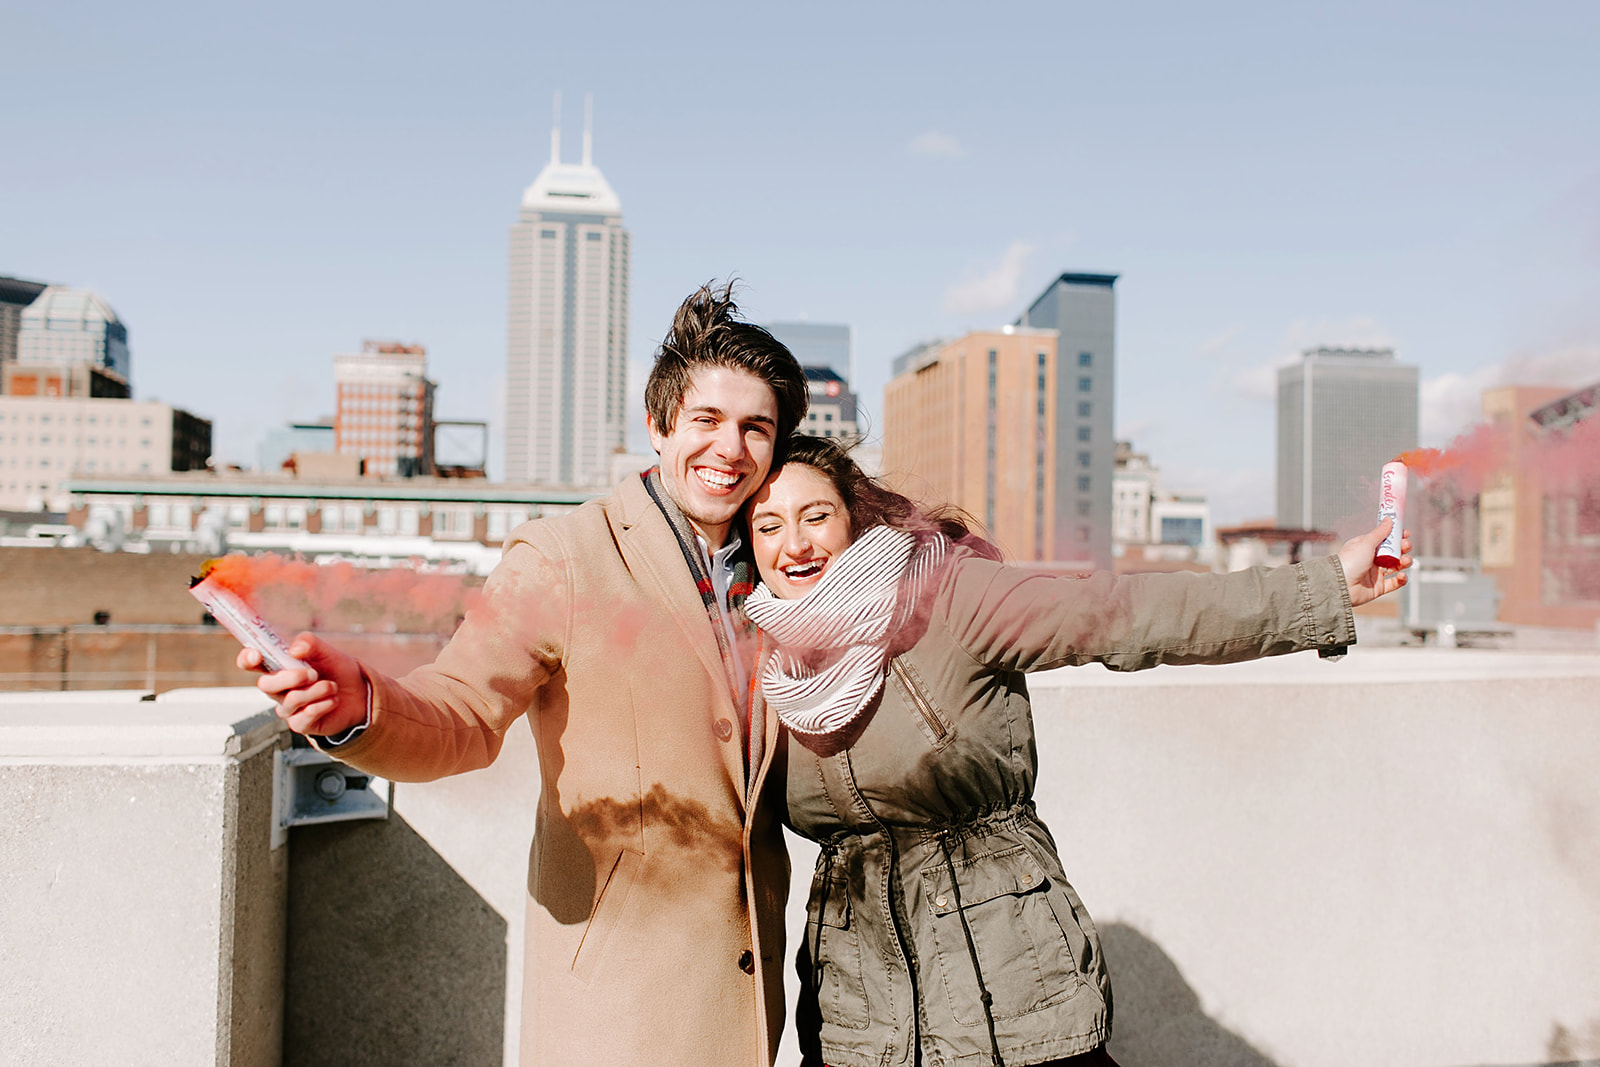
{"type": "Point", "coordinates": [297, 595]}
{"type": "Point", "coordinates": [1471, 460]}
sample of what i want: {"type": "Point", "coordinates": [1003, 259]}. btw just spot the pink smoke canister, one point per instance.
{"type": "Point", "coordinates": [1392, 505]}
{"type": "Point", "coordinates": [236, 616]}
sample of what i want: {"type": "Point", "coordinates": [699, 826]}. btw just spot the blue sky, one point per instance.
{"type": "Point", "coordinates": [257, 189]}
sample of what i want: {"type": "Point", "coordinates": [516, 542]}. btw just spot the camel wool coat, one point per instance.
{"type": "Point", "coordinates": [656, 885]}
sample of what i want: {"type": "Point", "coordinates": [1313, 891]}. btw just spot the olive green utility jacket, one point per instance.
{"type": "Point", "coordinates": [927, 823]}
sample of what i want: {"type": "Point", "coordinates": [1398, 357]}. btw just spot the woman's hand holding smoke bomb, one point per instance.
{"type": "Point", "coordinates": [1368, 581]}
{"type": "Point", "coordinates": [326, 699]}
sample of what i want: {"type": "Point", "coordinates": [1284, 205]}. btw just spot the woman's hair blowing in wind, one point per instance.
{"type": "Point", "coordinates": [871, 503]}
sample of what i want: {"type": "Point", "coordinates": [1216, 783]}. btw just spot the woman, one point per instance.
{"type": "Point", "coordinates": [941, 928]}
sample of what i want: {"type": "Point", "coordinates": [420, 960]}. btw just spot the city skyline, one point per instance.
{"type": "Point", "coordinates": [1416, 178]}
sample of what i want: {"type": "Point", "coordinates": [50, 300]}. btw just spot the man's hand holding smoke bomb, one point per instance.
{"type": "Point", "coordinates": [1367, 580]}
{"type": "Point", "coordinates": [326, 698]}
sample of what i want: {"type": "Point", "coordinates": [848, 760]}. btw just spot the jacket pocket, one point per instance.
{"type": "Point", "coordinates": [608, 909]}
{"type": "Point", "coordinates": [833, 947]}
{"type": "Point", "coordinates": [933, 724]}
{"type": "Point", "coordinates": [1017, 942]}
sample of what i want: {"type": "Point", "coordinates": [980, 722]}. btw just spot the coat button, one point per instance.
{"type": "Point", "coordinates": [747, 962]}
{"type": "Point", "coordinates": [939, 902]}
{"type": "Point", "coordinates": [724, 729]}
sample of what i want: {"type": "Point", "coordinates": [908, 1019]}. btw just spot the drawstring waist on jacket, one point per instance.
{"type": "Point", "coordinates": [984, 996]}
{"type": "Point", "coordinates": [981, 825]}
{"type": "Point", "coordinates": [931, 833]}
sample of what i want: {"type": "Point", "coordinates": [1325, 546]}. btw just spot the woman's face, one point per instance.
{"type": "Point", "coordinates": [798, 524]}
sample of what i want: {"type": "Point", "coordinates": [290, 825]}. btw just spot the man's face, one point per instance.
{"type": "Point", "coordinates": [719, 449]}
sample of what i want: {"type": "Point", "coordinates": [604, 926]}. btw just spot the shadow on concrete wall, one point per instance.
{"type": "Point", "coordinates": [392, 957]}
{"type": "Point", "coordinates": [1157, 1020]}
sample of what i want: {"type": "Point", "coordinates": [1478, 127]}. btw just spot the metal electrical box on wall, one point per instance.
{"type": "Point", "coordinates": [312, 787]}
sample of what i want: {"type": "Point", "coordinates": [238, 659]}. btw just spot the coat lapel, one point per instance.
{"type": "Point", "coordinates": [651, 550]}
{"type": "Point", "coordinates": [769, 729]}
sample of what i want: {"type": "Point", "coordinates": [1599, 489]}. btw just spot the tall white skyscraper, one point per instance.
{"type": "Point", "coordinates": [567, 330]}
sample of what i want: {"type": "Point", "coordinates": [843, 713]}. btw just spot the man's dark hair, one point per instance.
{"type": "Point", "coordinates": [706, 332]}
{"type": "Point", "coordinates": [871, 503]}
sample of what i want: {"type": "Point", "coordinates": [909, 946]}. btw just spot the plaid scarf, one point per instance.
{"type": "Point", "coordinates": [738, 590]}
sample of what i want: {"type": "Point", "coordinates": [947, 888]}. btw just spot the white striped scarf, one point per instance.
{"type": "Point", "coordinates": [833, 644]}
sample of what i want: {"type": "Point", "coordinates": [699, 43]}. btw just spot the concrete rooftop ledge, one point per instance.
{"type": "Point", "coordinates": [1363, 666]}
{"type": "Point", "coordinates": [185, 725]}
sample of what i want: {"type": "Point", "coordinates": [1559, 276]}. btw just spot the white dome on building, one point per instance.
{"type": "Point", "coordinates": [65, 326]}
{"type": "Point", "coordinates": [61, 308]}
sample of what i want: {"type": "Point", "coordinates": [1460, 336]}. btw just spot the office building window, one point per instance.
{"type": "Point", "coordinates": [1185, 530]}
{"type": "Point", "coordinates": [453, 522]}
{"type": "Point", "coordinates": [1083, 483]}
{"type": "Point", "coordinates": [1085, 408]}
{"type": "Point", "coordinates": [1085, 384]}
{"type": "Point", "coordinates": [1085, 432]}
{"type": "Point", "coordinates": [1085, 359]}
{"type": "Point", "coordinates": [503, 520]}
{"type": "Point", "coordinates": [1083, 459]}
{"type": "Point", "coordinates": [1084, 508]}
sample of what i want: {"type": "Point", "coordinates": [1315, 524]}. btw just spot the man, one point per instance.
{"type": "Point", "coordinates": [656, 879]}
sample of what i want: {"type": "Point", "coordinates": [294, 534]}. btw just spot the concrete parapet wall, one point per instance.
{"type": "Point", "coordinates": [1394, 859]}
{"type": "Point", "coordinates": [141, 905]}
{"type": "Point", "coordinates": [1388, 860]}
{"type": "Point", "coordinates": [1391, 861]}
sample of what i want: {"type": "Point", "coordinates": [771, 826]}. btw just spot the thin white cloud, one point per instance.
{"type": "Point", "coordinates": [1452, 403]}
{"type": "Point", "coordinates": [1235, 495]}
{"type": "Point", "coordinates": [936, 143]}
{"type": "Point", "coordinates": [992, 287]}
{"type": "Point", "coordinates": [1218, 344]}
{"type": "Point", "coordinates": [1360, 331]}
{"type": "Point", "coordinates": [1138, 431]}
{"type": "Point", "coordinates": [1260, 382]}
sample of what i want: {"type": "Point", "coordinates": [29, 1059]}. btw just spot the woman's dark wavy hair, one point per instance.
{"type": "Point", "coordinates": [706, 332]}
{"type": "Point", "coordinates": [871, 503]}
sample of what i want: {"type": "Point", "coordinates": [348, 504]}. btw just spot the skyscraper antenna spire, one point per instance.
{"type": "Point", "coordinates": [588, 129]}
{"type": "Point", "coordinates": [555, 129]}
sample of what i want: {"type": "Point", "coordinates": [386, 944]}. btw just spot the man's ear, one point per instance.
{"type": "Point", "coordinates": [657, 436]}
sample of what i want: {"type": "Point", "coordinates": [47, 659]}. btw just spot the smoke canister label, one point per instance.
{"type": "Point", "coordinates": [1392, 505]}
{"type": "Point", "coordinates": [237, 617]}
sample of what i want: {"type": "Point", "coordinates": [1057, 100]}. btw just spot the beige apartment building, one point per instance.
{"type": "Point", "coordinates": [973, 422]}
{"type": "Point", "coordinates": [44, 440]}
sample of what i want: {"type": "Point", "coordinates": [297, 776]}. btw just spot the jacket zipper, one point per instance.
{"type": "Point", "coordinates": [921, 702]}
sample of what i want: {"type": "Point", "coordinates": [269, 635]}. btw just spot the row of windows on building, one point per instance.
{"type": "Point", "coordinates": [44, 419]}
{"type": "Point", "coordinates": [92, 466]}
{"type": "Point", "coordinates": [450, 521]}
{"type": "Point", "coordinates": [45, 440]}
